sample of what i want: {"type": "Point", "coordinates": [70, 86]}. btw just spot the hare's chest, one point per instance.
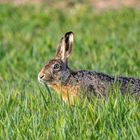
{"type": "Point", "coordinates": [68, 93]}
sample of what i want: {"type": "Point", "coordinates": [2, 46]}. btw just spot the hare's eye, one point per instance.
{"type": "Point", "coordinates": [56, 66]}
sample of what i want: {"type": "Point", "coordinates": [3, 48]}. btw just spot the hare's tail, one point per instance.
{"type": "Point", "coordinates": [129, 84]}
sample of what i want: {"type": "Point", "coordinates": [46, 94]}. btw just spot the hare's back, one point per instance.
{"type": "Point", "coordinates": [94, 83]}
{"type": "Point", "coordinates": [97, 82]}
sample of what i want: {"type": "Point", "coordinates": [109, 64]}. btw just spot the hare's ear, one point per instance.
{"type": "Point", "coordinates": [65, 46]}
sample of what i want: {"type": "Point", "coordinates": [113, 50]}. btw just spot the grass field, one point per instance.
{"type": "Point", "coordinates": [107, 42]}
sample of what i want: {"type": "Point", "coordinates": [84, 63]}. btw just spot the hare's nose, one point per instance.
{"type": "Point", "coordinates": [41, 75]}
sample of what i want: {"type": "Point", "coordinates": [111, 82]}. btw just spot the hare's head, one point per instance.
{"type": "Point", "coordinates": [56, 70]}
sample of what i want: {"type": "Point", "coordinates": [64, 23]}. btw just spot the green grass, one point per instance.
{"type": "Point", "coordinates": [107, 42]}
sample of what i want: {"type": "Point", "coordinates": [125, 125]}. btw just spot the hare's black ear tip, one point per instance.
{"type": "Point", "coordinates": [69, 33]}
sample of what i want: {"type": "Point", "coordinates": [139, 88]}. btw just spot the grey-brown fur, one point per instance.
{"type": "Point", "coordinates": [58, 75]}
{"type": "Point", "coordinates": [100, 83]}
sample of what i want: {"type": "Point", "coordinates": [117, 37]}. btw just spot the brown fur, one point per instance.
{"type": "Point", "coordinates": [68, 93]}
{"type": "Point", "coordinates": [69, 84]}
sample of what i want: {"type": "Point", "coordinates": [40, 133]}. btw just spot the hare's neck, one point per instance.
{"type": "Point", "coordinates": [65, 76]}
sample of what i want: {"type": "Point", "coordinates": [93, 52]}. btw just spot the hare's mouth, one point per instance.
{"type": "Point", "coordinates": [43, 80]}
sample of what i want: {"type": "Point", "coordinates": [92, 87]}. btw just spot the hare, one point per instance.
{"type": "Point", "coordinates": [69, 84]}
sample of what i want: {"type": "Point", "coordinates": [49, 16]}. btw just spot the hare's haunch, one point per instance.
{"type": "Point", "coordinates": [70, 84]}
